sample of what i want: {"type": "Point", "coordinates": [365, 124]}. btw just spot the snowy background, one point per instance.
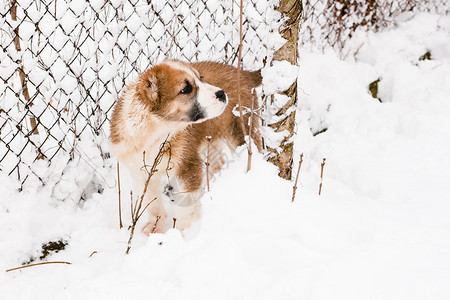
{"type": "Point", "coordinates": [380, 229]}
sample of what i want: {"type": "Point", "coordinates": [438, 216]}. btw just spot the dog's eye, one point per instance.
{"type": "Point", "coordinates": [187, 89]}
{"type": "Point", "coordinates": [201, 77]}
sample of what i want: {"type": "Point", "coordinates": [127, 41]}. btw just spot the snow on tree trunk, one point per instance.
{"type": "Point", "coordinates": [282, 156]}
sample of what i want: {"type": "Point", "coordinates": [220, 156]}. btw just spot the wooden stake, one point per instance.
{"type": "Point", "coordinates": [296, 177]}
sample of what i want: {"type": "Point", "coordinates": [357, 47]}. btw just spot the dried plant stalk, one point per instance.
{"type": "Point", "coordinates": [296, 177]}
{"type": "Point", "coordinates": [250, 128]}
{"type": "Point", "coordinates": [174, 223]}
{"type": "Point", "coordinates": [241, 115]}
{"type": "Point", "coordinates": [120, 201]}
{"type": "Point", "coordinates": [208, 138]}
{"type": "Point", "coordinates": [137, 210]}
{"type": "Point", "coordinates": [321, 175]}
{"type": "Point", "coordinates": [39, 264]}
{"type": "Point", "coordinates": [156, 224]}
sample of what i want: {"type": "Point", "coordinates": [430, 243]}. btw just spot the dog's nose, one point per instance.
{"type": "Point", "coordinates": [220, 95]}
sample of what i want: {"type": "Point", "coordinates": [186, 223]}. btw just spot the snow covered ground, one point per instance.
{"type": "Point", "coordinates": [380, 229]}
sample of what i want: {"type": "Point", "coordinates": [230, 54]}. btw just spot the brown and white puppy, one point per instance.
{"type": "Point", "coordinates": [184, 103]}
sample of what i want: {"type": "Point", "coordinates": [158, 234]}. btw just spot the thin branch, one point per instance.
{"type": "Point", "coordinates": [39, 264]}
{"type": "Point", "coordinates": [250, 127]}
{"type": "Point", "coordinates": [208, 138]}
{"type": "Point", "coordinates": [321, 175]}
{"type": "Point", "coordinates": [296, 177]}
{"type": "Point", "coordinates": [136, 209]}
{"type": "Point", "coordinates": [145, 209]}
{"type": "Point", "coordinates": [156, 224]}
{"type": "Point", "coordinates": [120, 202]}
{"type": "Point", "coordinates": [131, 206]}
{"type": "Point", "coordinates": [241, 116]}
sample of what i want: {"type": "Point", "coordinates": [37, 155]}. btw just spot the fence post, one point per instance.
{"type": "Point", "coordinates": [20, 69]}
{"type": "Point", "coordinates": [291, 9]}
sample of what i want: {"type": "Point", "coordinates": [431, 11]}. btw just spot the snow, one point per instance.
{"type": "Point", "coordinates": [278, 77]}
{"type": "Point", "coordinates": [380, 229]}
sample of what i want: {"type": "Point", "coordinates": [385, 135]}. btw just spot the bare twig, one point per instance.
{"type": "Point", "coordinates": [241, 115]}
{"type": "Point", "coordinates": [156, 224]}
{"type": "Point", "coordinates": [92, 254]}
{"type": "Point", "coordinates": [136, 214]}
{"type": "Point", "coordinates": [321, 175]}
{"type": "Point", "coordinates": [296, 177]}
{"type": "Point", "coordinates": [120, 202]}
{"type": "Point", "coordinates": [174, 222]}
{"type": "Point", "coordinates": [38, 264]}
{"type": "Point", "coordinates": [208, 138]}
{"type": "Point", "coordinates": [250, 127]}
{"type": "Point", "coordinates": [136, 209]}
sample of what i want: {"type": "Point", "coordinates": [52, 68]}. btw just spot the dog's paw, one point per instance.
{"type": "Point", "coordinates": [155, 224]}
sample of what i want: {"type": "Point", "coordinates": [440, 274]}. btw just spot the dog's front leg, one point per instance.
{"type": "Point", "coordinates": [188, 189]}
{"type": "Point", "coordinates": [157, 219]}
{"type": "Point", "coordinates": [187, 208]}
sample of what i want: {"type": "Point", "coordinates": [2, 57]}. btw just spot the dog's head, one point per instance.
{"type": "Point", "coordinates": [175, 91]}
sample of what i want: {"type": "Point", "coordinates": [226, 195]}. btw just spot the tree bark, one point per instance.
{"type": "Point", "coordinates": [283, 159]}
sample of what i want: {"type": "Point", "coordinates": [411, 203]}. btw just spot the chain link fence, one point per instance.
{"type": "Point", "coordinates": [333, 22]}
{"type": "Point", "coordinates": [63, 64]}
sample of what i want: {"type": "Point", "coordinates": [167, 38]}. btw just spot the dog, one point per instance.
{"type": "Point", "coordinates": [180, 104]}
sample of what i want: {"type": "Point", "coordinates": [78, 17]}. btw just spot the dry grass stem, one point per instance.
{"type": "Point", "coordinates": [241, 115]}
{"type": "Point", "coordinates": [296, 177]}
{"type": "Point", "coordinates": [174, 223]}
{"type": "Point", "coordinates": [321, 175]}
{"type": "Point", "coordinates": [250, 128]}
{"type": "Point", "coordinates": [39, 264]}
{"type": "Point", "coordinates": [208, 138]}
{"type": "Point", "coordinates": [136, 208]}
{"type": "Point", "coordinates": [120, 201]}
{"type": "Point", "coordinates": [156, 224]}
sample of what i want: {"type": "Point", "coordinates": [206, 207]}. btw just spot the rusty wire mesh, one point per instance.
{"type": "Point", "coordinates": [333, 22]}
{"type": "Point", "coordinates": [63, 64]}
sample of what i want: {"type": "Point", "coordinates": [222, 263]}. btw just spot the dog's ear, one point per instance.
{"type": "Point", "coordinates": [147, 88]}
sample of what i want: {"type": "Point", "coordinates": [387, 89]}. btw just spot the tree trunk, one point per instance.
{"type": "Point", "coordinates": [291, 9]}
